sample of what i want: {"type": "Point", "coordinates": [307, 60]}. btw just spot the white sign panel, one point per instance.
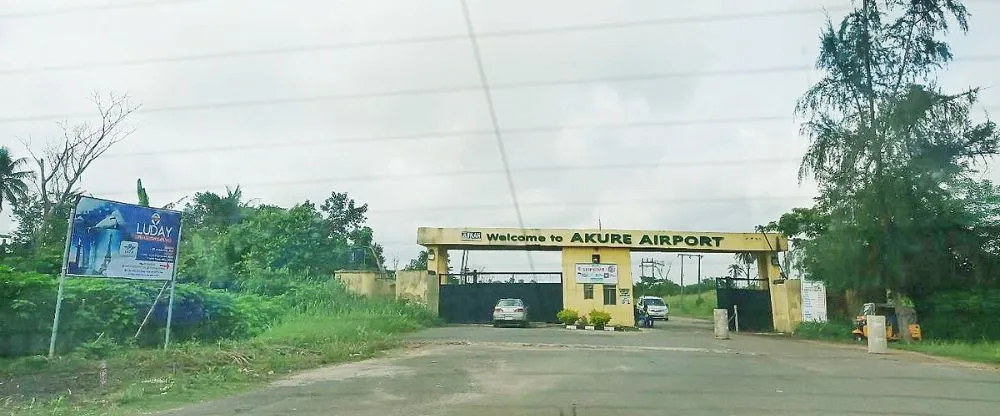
{"type": "Point", "coordinates": [813, 301]}
{"type": "Point", "coordinates": [597, 273]}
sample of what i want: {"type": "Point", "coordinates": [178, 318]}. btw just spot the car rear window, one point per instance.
{"type": "Point", "coordinates": [655, 302]}
{"type": "Point", "coordinates": [509, 302]}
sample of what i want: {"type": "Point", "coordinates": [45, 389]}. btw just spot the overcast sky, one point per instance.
{"type": "Point", "coordinates": [670, 124]}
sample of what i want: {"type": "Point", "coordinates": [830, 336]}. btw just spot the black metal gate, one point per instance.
{"type": "Point", "coordinates": [469, 303]}
{"type": "Point", "coordinates": [751, 297]}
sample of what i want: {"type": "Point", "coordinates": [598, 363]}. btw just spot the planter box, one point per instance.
{"type": "Point", "coordinates": [590, 327]}
{"type": "Point", "coordinates": [609, 328]}
{"type": "Point", "coordinates": [570, 326]}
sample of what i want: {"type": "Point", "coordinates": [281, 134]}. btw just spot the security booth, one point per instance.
{"type": "Point", "coordinates": [597, 266]}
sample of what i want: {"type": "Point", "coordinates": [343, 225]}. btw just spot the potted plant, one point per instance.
{"type": "Point", "coordinates": [599, 319]}
{"type": "Point", "coordinates": [568, 317]}
{"type": "Point", "coordinates": [581, 322]}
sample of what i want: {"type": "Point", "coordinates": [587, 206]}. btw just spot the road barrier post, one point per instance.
{"type": "Point", "coordinates": [877, 342]}
{"type": "Point", "coordinates": [721, 323]}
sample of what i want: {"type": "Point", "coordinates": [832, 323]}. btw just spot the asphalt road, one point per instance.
{"type": "Point", "coordinates": [677, 368]}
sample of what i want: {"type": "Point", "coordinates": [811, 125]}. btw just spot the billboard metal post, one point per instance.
{"type": "Point", "coordinates": [173, 286]}
{"type": "Point", "coordinates": [62, 283]}
{"type": "Point", "coordinates": [151, 307]}
{"type": "Point", "coordinates": [170, 313]}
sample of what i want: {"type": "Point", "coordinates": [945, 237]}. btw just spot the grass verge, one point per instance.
{"type": "Point", "coordinates": [691, 307]}
{"type": "Point", "coordinates": [986, 352]}
{"type": "Point", "coordinates": [140, 380]}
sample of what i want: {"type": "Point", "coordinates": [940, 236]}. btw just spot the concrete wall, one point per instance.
{"type": "Point", "coordinates": [366, 283]}
{"type": "Point", "coordinates": [419, 286]}
{"type": "Point", "coordinates": [573, 292]}
{"type": "Point", "coordinates": [786, 296]}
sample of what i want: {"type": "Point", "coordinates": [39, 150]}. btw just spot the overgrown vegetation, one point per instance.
{"type": "Point", "coordinates": [690, 306]}
{"type": "Point", "coordinates": [256, 297]}
{"type": "Point", "coordinates": [322, 324]}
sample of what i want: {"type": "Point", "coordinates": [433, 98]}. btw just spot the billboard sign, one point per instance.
{"type": "Point", "coordinates": [118, 240]}
{"type": "Point", "coordinates": [597, 273]}
{"type": "Point", "coordinates": [813, 301]}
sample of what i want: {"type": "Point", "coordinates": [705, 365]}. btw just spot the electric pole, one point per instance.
{"type": "Point", "coordinates": [682, 256]}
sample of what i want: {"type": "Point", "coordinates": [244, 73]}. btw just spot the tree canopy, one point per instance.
{"type": "Point", "coordinates": [895, 156]}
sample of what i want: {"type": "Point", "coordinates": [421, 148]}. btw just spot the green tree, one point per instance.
{"type": "Point", "coordinates": [419, 262]}
{"type": "Point", "coordinates": [14, 178]}
{"type": "Point", "coordinates": [141, 193]}
{"type": "Point", "coordinates": [884, 139]}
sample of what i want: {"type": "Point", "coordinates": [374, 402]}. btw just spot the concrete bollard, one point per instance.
{"type": "Point", "coordinates": [721, 323]}
{"type": "Point", "coordinates": [877, 344]}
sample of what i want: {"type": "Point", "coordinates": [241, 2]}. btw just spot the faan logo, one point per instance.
{"type": "Point", "coordinates": [472, 235]}
{"type": "Point", "coordinates": [153, 229]}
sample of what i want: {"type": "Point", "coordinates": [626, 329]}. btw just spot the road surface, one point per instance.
{"type": "Point", "coordinates": [676, 368]}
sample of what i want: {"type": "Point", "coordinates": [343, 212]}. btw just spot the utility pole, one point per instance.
{"type": "Point", "coordinates": [682, 256]}
{"type": "Point", "coordinates": [652, 265]}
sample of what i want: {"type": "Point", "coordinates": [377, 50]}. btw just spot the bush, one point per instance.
{"type": "Point", "coordinates": [968, 316]}
{"type": "Point", "coordinates": [568, 316]}
{"type": "Point", "coordinates": [599, 318]}
{"type": "Point", "coordinates": [111, 310]}
{"type": "Point", "coordinates": [582, 320]}
{"type": "Point", "coordinates": [830, 330]}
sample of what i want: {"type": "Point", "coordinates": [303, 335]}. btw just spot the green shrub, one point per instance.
{"type": "Point", "coordinates": [582, 320]}
{"type": "Point", "coordinates": [830, 330]}
{"type": "Point", "coordinates": [968, 316]}
{"type": "Point", "coordinates": [115, 308]}
{"type": "Point", "coordinates": [568, 316]}
{"type": "Point", "coordinates": [599, 318]}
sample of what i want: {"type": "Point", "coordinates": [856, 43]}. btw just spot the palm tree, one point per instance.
{"type": "Point", "coordinates": [747, 258]}
{"type": "Point", "coordinates": [735, 270]}
{"type": "Point", "coordinates": [13, 177]}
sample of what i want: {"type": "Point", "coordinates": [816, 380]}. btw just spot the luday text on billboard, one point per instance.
{"type": "Point", "coordinates": [111, 239]}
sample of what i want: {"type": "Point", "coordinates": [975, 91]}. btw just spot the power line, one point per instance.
{"type": "Point", "coordinates": [94, 8]}
{"type": "Point", "coordinates": [497, 133]}
{"type": "Point", "coordinates": [436, 135]}
{"type": "Point", "coordinates": [475, 172]}
{"type": "Point", "coordinates": [294, 49]}
{"type": "Point", "coordinates": [632, 202]}
{"type": "Point", "coordinates": [458, 133]}
{"type": "Point", "coordinates": [452, 89]}
{"type": "Point", "coordinates": [406, 41]}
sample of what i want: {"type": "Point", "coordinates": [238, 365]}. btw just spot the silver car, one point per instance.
{"type": "Point", "coordinates": [657, 308]}
{"type": "Point", "coordinates": [510, 311]}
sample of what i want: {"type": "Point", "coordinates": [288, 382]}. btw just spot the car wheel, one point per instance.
{"type": "Point", "coordinates": [496, 324]}
{"type": "Point", "coordinates": [525, 324]}
{"type": "Point", "coordinates": [666, 318]}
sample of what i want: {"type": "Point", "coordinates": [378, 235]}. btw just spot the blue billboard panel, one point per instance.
{"type": "Point", "coordinates": [118, 240]}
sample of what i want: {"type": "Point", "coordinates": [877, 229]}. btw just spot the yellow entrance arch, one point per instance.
{"type": "Point", "coordinates": [612, 249]}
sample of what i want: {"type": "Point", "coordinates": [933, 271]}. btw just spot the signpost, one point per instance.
{"type": "Point", "coordinates": [814, 307]}
{"type": "Point", "coordinates": [115, 240]}
{"type": "Point", "coordinates": [597, 273]}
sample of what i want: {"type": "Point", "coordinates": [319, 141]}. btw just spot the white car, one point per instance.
{"type": "Point", "coordinates": [510, 311]}
{"type": "Point", "coordinates": [655, 305]}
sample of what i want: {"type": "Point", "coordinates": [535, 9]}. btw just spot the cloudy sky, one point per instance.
{"type": "Point", "coordinates": [649, 114]}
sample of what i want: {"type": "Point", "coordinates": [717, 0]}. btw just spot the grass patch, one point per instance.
{"type": "Point", "coordinates": [691, 307]}
{"type": "Point", "coordinates": [834, 330]}
{"type": "Point", "coordinates": [987, 352]}
{"type": "Point", "coordinates": [345, 328]}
